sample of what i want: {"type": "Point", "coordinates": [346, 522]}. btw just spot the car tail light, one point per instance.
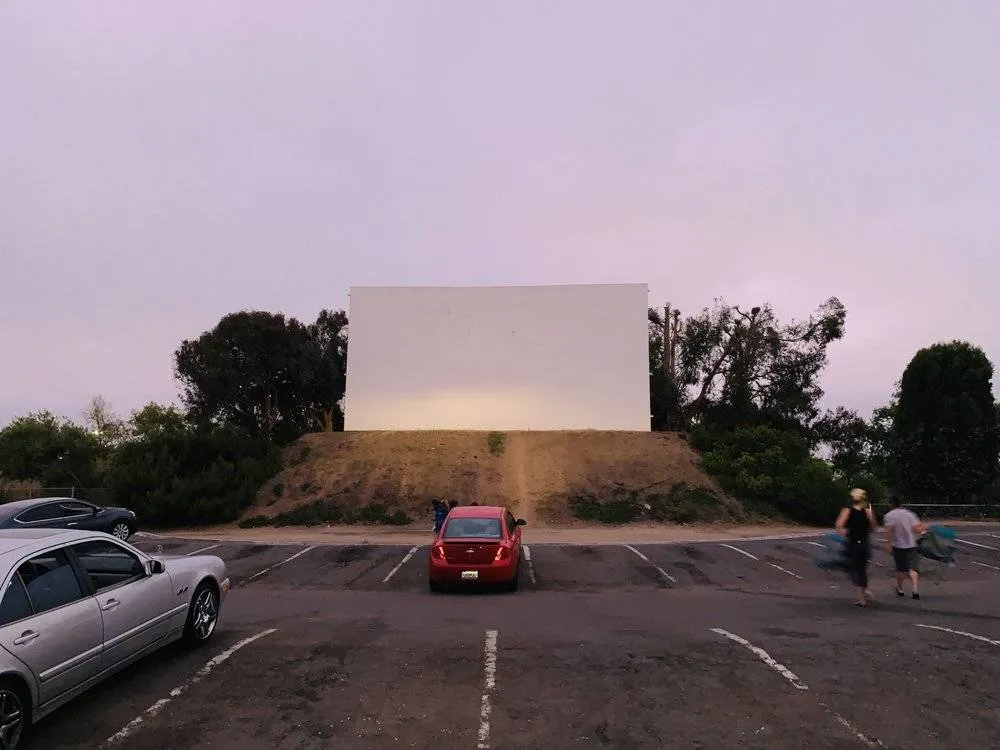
{"type": "Point", "coordinates": [503, 553]}
{"type": "Point", "coordinates": [438, 551]}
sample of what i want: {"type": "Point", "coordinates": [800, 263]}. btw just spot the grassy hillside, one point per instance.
{"type": "Point", "coordinates": [544, 477]}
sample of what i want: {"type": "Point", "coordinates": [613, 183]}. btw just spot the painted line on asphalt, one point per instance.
{"type": "Point", "coordinates": [203, 549]}
{"type": "Point", "coordinates": [975, 544]}
{"type": "Point", "coordinates": [130, 728]}
{"type": "Point", "coordinates": [992, 536]}
{"type": "Point", "coordinates": [816, 544]}
{"type": "Point", "coordinates": [757, 559]}
{"type": "Point", "coordinates": [276, 565]}
{"type": "Point", "coordinates": [531, 566]}
{"type": "Point", "coordinates": [984, 565]}
{"type": "Point", "coordinates": [798, 683]}
{"type": "Point", "coordinates": [764, 657]}
{"type": "Point", "coordinates": [489, 683]}
{"type": "Point", "coordinates": [402, 562]}
{"type": "Point", "coordinates": [973, 636]}
{"type": "Point", "coordinates": [658, 569]}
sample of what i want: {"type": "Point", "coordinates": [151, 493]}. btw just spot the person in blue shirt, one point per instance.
{"type": "Point", "coordinates": [440, 513]}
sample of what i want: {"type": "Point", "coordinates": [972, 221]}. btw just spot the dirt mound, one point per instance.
{"type": "Point", "coordinates": [537, 474]}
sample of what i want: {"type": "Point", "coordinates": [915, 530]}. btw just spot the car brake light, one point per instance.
{"type": "Point", "coordinates": [503, 553]}
{"type": "Point", "coordinates": [438, 551]}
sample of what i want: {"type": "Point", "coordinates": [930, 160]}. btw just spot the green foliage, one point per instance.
{"type": "Point", "coordinates": [772, 470]}
{"type": "Point", "coordinates": [183, 475]}
{"type": "Point", "coordinates": [682, 504]}
{"type": "Point", "coordinates": [326, 511]}
{"type": "Point", "coordinates": [945, 438]}
{"type": "Point", "coordinates": [496, 443]}
{"type": "Point", "coordinates": [266, 375]}
{"type": "Point", "coordinates": [53, 451]}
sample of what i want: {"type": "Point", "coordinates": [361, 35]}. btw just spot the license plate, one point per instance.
{"type": "Point", "coordinates": [470, 575]}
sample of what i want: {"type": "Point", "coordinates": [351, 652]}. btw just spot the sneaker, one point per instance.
{"type": "Point", "coordinates": [916, 595]}
{"type": "Point", "coordinates": [899, 592]}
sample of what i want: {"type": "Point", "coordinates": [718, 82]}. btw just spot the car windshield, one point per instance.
{"type": "Point", "coordinates": [473, 528]}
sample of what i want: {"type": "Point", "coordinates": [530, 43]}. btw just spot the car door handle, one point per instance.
{"type": "Point", "coordinates": [109, 604]}
{"type": "Point", "coordinates": [26, 637]}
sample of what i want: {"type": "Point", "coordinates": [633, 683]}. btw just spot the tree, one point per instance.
{"type": "Point", "coordinates": [103, 423]}
{"type": "Point", "coordinates": [51, 450]}
{"type": "Point", "coordinates": [249, 372]}
{"type": "Point", "coordinates": [325, 389]}
{"type": "Point", "coordinates": [154, 419]}
{"type": "Point", "coordinates": [846, 435]}
{"type": "Point", "coordinates": [945, 434]}
{"type": "Point", "coordinates": [747, 368]}
{"type": "Point", "coordinates": [666, 396]}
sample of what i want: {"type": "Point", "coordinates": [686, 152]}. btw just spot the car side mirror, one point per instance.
{"type": "Point", "coordinates": [154, 567]}
{"type": "Point", "coordinates": [521, 522]}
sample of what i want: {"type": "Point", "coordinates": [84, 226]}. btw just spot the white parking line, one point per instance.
{"type": "Point", "coordinates": [752, 557]}
{"type": "Point", "coordinates": [527, 558]}
{"type": "Point", "coordinates": [975, 544]}
{"type": "Point", "coordinates": [401, 564]}
{"type": "Point", "coordinates": [276, 565]}
{"type": "Point", "coordinates": [490, 681]}
{"type": "Point", "coordinates": [817, 544]}
{"type": "Point", "coordinates": [973, 636]}
{"type": "Point", "coordinates": [658, 569]}
{"type": "Point", "coordinates": [992, 536]}
{"type": "Point", "coordinates": [764, 657]}
{"type": "Point", "coordinates": [984, 565]}
{"type": "Point", "coordinates": [203, 549]}
{"type": "Point", "coordinates": [201, 674]}
{"type": "Point", "coordinates": [798, 683]}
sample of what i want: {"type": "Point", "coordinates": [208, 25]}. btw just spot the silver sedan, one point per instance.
{"type": "Point", "coordinates": [78, 606]}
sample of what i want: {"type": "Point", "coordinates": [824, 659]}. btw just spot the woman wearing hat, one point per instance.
{"type": "Point", "coordinates": [857, 521]}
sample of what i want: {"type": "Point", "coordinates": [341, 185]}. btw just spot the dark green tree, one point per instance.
{"type": "Point", "coordinates": [846, 435]}
{"type": "Point", "coordinates": [53, 451]}
{"type": "Point", "coordinates": [666, 396]}
{"type": "Point", "coordinates": [745, 367]}
{"type": "Point", "coordinates": [328, 381]}
{"type": "Point", "coordinates": [945, 435]}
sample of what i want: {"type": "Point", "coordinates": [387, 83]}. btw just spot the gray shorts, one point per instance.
{"type": "Point", "coordinates": [905, 558]}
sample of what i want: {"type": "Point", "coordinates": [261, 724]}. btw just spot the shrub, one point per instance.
{"type": "Point", "coordinates": [496, 443]}
{"type": "Point", "coordinates": [327, 511]}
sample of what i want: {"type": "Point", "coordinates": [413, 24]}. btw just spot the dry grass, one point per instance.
{"type": "Point", "coordinates": [534, 473]}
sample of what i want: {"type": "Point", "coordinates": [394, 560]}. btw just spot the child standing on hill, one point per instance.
{"type": "Point", "coordinates": [440, 512]}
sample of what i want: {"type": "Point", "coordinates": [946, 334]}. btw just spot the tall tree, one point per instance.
{"type": "Point", "coordinates": [666, 396]}
{"type": "Point", "coordinates": [945, 434]}
{"type": "Point", "coordinates": [746, 367]}
{"type": "Point", "coordinates": [249, 372]}
{"type": "Point", "coordinates": [846, 435]}
{"type": "Point", "coordinates": [102, 422]}
{"type": "Point", "coordinates": [53, 451]}
{"type": "Point", "coordinates": [325, 389]}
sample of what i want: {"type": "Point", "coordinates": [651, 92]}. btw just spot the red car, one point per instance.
{"type": "Point", "coordinates": [476, 544]}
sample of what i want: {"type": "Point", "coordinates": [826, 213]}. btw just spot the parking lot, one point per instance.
{"type": "Point", "coordinates": [702, 645]}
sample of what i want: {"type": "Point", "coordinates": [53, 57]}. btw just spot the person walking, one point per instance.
{"type": "Point", "coordinates": [856, 522]}
{"type": "Point", "coordinates": [902, 530]}
{"type": "Point", "coordinates": [440, 512]}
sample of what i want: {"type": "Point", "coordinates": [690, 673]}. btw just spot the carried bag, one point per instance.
{"type": "Point", "coordinates": [939, 544]}
{"type": "Point", "coordinates": [833, 555]}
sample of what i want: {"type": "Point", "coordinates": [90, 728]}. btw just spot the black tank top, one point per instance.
{"type": "Point", "coordinates": [858, 525]}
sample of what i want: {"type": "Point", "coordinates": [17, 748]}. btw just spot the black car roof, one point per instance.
{"type": "Point", "coordinates": [13, 508]}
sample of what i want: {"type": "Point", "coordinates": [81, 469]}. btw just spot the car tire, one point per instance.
{"type": "Point", "coordinates": [121, 530]}
{"type": "Point", "coordinates": [16, 707]}
{"type": "Point", "coordinates": [514, 583]}
{"type": "Point", "coordinates": [203, 614]}
{"type": "Point", "coordinates": [434, 586]}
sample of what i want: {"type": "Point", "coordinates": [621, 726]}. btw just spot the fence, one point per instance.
{"type": "Point", "coordinates": [963, 512]}
{"type": "Point", "coordinates": [96, 495]}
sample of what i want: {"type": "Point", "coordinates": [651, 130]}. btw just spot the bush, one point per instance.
{"type": "Point", "coordinates": [495, 443]}
{"type": "Point", "coordinates": [188, 476]}
{"type": "Point", "coordinates": [682, 504]}
{"type": "Point", "coordinates": [326, 511]}
{"type": "Point", "coordinates": [772, 470]}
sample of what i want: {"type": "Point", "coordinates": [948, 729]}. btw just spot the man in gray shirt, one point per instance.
{"type": "Point", "coordinates": [902, 529]}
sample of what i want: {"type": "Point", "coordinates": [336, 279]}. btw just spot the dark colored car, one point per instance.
{"type": "Point", "coordinates": [67, 513]}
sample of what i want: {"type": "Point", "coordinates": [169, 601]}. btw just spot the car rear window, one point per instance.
{"type": "Point", "coordinates": [473, 528]}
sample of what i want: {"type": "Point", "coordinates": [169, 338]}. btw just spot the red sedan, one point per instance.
{"type": "Point", "coordinates": [476, 544]}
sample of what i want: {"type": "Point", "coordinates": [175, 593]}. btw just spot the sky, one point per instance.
{"type": "Point", "coordinates": [163, 164]}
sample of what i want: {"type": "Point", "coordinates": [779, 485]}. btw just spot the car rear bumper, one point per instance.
{"type": "Point", "coordinates": [444, 572]}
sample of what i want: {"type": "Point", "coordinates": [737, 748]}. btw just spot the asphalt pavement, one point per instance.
{"type": "Point", "coordinates": [741, 644]}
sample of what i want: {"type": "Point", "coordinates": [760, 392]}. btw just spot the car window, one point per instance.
{"type": "Point", "coordinates": [15, 605]}
{"type": "Point", "coordinates": [107, 564]}
{"type": "Point", "coordinates": [50, 581]}
{"type": "Point", "coordinates": [76, 509]}
{"type": "Point", "coordinates": [42, 513]}
{"type": "Point", "coordinates": [473, 528]}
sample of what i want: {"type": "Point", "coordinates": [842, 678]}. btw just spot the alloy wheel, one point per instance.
{"type": "Point", "coordinates": [11, 718]}
{"type": "Point", "coordinates": [205, 614]}
{"type": "Point", "coordinates": [121, 530]}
